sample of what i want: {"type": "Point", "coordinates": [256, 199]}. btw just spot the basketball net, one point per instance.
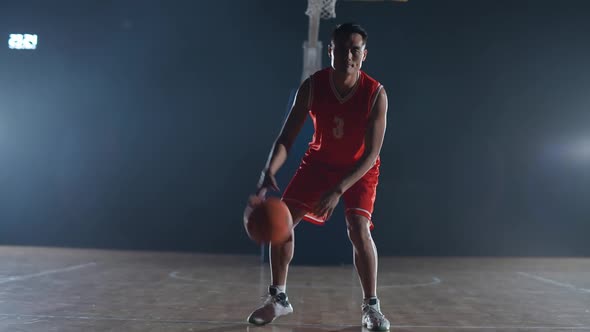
{"type": "Point", "coordinates": [312, 48]}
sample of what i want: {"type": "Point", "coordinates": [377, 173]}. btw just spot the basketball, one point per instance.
{"type": "Point", "coordinates": [268, 221]}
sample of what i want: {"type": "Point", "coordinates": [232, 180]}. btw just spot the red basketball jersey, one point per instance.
{"type": "Point", "coordinates": [340, 122]}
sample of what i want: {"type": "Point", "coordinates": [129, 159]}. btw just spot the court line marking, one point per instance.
{"type": "Point", "coordinates": [46, 272]}
{"type": "Point", "coordinates": [214, 322]}
{"type": "Point", "coordinates": [553, 282]}
{"type": "Point", "coordinates": [435, 281]}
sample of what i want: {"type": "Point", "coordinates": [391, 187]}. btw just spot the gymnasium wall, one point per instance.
{"type": "Point", "coordinates": [145, 124]}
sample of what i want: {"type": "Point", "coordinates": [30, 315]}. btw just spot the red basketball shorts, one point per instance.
{"type": "Point", "coordinates": [312, 180]}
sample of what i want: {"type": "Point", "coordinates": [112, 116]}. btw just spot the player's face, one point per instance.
{"type": "Point", "coordinates": [348, 53]}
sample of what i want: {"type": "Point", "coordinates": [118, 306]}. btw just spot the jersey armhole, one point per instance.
{"type": "Point", "coordinates": [375, 96]}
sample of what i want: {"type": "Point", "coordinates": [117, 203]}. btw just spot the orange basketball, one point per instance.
{"type": "Point", "coordinates": [268, 221]}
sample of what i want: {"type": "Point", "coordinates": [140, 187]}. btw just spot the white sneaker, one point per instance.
{"type": "Point", "coordinates": [372, 317]}
{"type": "Point", "coordinates": [276, 305]}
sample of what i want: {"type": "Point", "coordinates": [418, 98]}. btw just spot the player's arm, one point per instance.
{"type": "Point", "coordinates": [287, 136]}
{"type": "Point", "coordinates": [373, 142]}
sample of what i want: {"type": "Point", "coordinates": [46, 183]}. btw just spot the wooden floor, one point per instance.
{"type": "Point", "coordinates": [52, 289]}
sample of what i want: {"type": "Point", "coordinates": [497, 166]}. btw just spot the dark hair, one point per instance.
{"type": "Point", "coordinates": [347, 29]}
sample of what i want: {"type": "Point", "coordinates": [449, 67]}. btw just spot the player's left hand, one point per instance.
{"type": "Point", "coordinates": [327, 204]}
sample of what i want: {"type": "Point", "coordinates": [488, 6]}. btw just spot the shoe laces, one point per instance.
{"type": "Point", "coordinates": [372, 311]}
{"type": "Point", "coordinates": [282, 300]}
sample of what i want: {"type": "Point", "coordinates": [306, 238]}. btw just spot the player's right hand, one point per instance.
{"type": "Point", "coordinates": [267, 181]}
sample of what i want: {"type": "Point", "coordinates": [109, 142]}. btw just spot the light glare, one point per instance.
{"type": "Point", "coordinates": [17, 41]}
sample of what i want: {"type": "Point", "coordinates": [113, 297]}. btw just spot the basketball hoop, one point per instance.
{"type": "Point", "coordinates": [326, 8]}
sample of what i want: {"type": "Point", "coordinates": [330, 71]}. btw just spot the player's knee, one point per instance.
{"type": "Point", "coordinates": [286, 243]}
{"type": "Point", "coordinates": [358, 228]}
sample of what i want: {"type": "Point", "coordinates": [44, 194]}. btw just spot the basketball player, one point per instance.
{"type": "Point", "coordinates": [348, 109]}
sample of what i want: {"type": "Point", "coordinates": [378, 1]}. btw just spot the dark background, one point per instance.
{"type": "Point", "coordinates": [145, 124]}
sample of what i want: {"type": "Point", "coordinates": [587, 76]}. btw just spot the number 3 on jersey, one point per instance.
{"type": "Point", "coordinates": [338, 130]}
